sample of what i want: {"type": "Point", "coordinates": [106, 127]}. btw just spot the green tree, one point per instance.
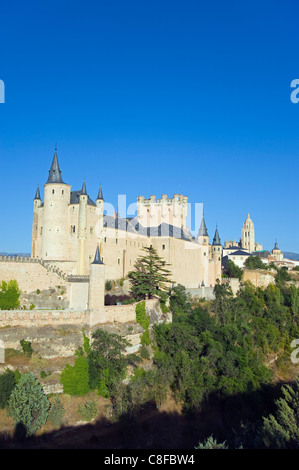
{"type": "Point", "coordinates": [150, 276]}
{"type": "Point", "coordinates": [211, 443]}
{"type": "Point", "coordinates": [75, 379]}
{"type": "Point", "coordinates": [28, 405]}
{"type": "Point", "coordinates": [56, 413]}
{"type": "Point", "coordinates": [9, 295]}
{"type": "Point", "coordinates": [7, 384]}
{"type": "Point", "coordinates": [254, 262]}
{"type": "Point", "coordinates": [107, 362]}
{"type": "Point", "coordinates": [232, 270]}
{"type": "Point", "coordinates": [27, 348]}
{"type": "Point", "coordinates": [88, 411]}
{"type": "Point", "coordinates": [281, 429]}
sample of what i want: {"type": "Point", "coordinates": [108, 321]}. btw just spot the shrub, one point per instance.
{"type": "Point", "coordinates": [9, 295]}
{"type": "Point", "coordinates": [26, 347]}
{"type": "Point", "coordinates": [88, 411]}
{"type": "Point", "coordinates": [32, 306]}
{"type": "Point", "coordinates": [121, 282]}
{"type": "Point", "coordinates": [37, 291]}
{"type": "Point", "coordinates": [141, 317]}
{"type": "Point", "coordinates": [108, 285]}
{"type": "Point", "coordinates": [7, 384]}
{"type": "Point", "coordinates": [145, 338]}
{"type": "Point", "coordinates": [144, 353]}
{"type": "Point", "coordinates": [28, 405]}
{"type": "Point", "coordinates": [56, 413]}
{"type": "Point", "coordinates": [75, 380]}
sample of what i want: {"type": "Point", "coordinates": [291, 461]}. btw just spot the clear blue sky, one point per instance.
{"type": "Point", "coordinates": [153, 97]}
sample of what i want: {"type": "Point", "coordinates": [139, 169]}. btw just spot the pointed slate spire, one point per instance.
{"type": "Point", "coordinates": [83, 190]}
{"type": "Point", "coordinates": [100, 194]}
{"type": "Point", "coordinates": [54, 173]}
{"type": "Point", "coordinates": [216, 239]}
{"type": "Point", "coordinates": [37, 194]}
{"type": "Point", "coordinates": [203, 231]}
{"type": "Point", "coordinates": [276, 246]}
{"type": "Point", "coordinates": [97, 258]}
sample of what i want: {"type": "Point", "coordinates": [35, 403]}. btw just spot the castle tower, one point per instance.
{"type": "Point", "coordinates": [248, 236]}
{"type": "Point", "coordinates": [55, 222]}
{"type": "Point", "coordinates": [100, 213]}
{"type": "Point", "coordinates": [96, 296]}
{"type": "Point", "coordinates": [217, 255]}
{"type": "Point", "coordinates": [82, 231]}
{"type": "Point", "coordinates": [203, 236]}
{"type": "Point", "coordinates": [153, 212]}
{"type": "Point", "coordinates": [36, 204]}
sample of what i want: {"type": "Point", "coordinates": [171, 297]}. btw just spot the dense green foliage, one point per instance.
{"type": "Point", "coordinates": [7, 384]}
{"type": "Point", "coordinates": [9, 295]}
{"type": "Point", "coordinates": [56, 413]}
{"type": "Point", "coordinates": [75, 379]}
{"type": "Point", "coordinates": [281, 429]}
{"type": "Point", "coordinates": [224, 354]}
{"type": "Point", "coordinates": [211, 443]}
{"type": "Point", "coordinates": [107, 362]}
{"type": "Point", "coordinates": [26, 347]}
{"type": "Point", "coordinates": [88, 411]}
{"type": "Point", "coordinates": [144, 320]}
{"type": "Point", "coordinates": [232, 270]}
{"type": "Point", "coordinates": [254, 262]}
{"type": "Point", "coordinates": [150, 276]}
{"type": "Point", "coordinates": [28, 405]}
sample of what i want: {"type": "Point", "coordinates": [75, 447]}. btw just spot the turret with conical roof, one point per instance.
{"type": "Point", "coordinates": [55, 172]}
{"type": "Point", "coordinates": [96, 295]}
{"type": "Point", "coordinates": [55, 229]}
{"type": "Point", "coordinates": [217, 254]}
{"type": "Point", "coordinates": [97, 258]}
{"type": "Point", "coordinates": [216, 239]}
{"type": "Point", "coordinates": [37, 194]}
{"type": "Point", "coordinates": [203, 236]}
{"type": "Point", "coordinates": [83, 190]}
{"type": "Point", "coordinates": [100, 194]}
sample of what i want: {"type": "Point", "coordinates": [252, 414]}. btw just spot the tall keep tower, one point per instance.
{"type": "Point", "coordinates": [55, 224]}
{"type": "Point", "coordinates": [248, 237]}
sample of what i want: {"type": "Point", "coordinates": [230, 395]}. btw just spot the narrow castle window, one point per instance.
{"type": "Point", "coordinates": [118, 261]}
{"type": "Point", "coordinates": [62, 192]}
{"type": "Point", "coordinates": [73, 228]}
{"type": "Point", "coordinates": [163, 247]}
{"type": "Point", "coordinates": [53, 191]}
{"type": "Point", "coordinates": [91, 230]}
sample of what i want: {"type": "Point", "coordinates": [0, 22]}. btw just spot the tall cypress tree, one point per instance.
{"type": "Point", "coordinates": [150, 276]}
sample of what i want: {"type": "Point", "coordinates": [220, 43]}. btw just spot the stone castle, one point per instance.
{"type": "Point", "coordinates": [77, 247]}
{"type": "Point", "coordinates": [68, 226]}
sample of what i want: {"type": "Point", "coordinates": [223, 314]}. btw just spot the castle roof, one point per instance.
{"type": "Point", "coordinates": [203, 231]}
{"type": "Point", "coordinates": [97, 258]}
{"type": "Point", "coordinates": [83, 190]}
{"type": "Point", "coordinates": [75, 198]}
{"type": "Point", "coordinates": [54, 172]}
{"type": "Point", "coordinates": [216, 239]}
{"type": "Point", "coordinates": [37, 194]}
{"type": "Point", "coordinates": [132, 225]}
{"type": "Point", "coordinates": [100, 194]}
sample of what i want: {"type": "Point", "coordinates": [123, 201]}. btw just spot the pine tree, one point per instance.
{"type": "Point", "coordinates": [150, 276]}
{"type": "Point", "coordinates": [56, 413]}
{"type": "Point", "coordinates": [28, 405]}
{"type": "Point", "coordinates": [281, 430]}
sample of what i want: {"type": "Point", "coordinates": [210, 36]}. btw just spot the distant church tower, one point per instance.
{"type": "Point", "coordinates": [248, 238]}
